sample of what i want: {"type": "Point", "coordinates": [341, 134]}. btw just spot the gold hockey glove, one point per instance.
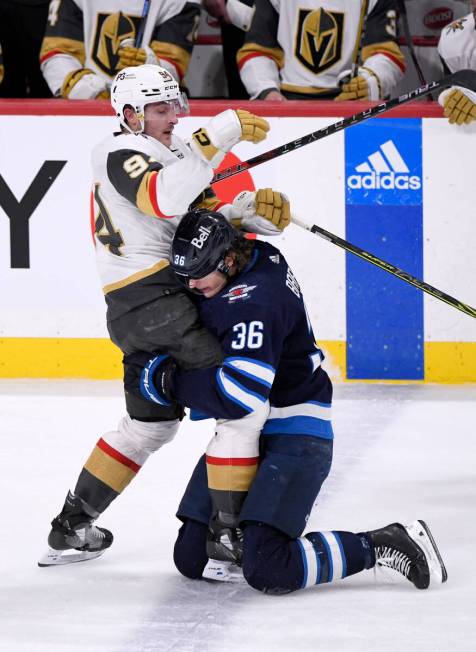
{"type": "Point", "coordinates": [265, 211]}
{"type": "Point", "coordinates": [253, 128]}
{"type": "Point", "coordinates": [365, 86]}
{"type": "Point", "coordinates": [459, 108]}
{"type": "Point", "coordinates": [274, 207]}
{"type": "Point", "coordinates": [225, 130]}
{"type": "Point", "coordinates": [129, 55]}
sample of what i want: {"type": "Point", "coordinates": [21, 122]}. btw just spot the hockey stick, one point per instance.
{"type": "Point", "coordinates": [466, 78]}
{"type": "Point", "coordinates": [143, 20]}
{"type": "Point", "coordinates": [408, 38]}
{"type": "Point", "coordinates": [387, 267]}
{"type": "Point", "coordinates": [360, 39]}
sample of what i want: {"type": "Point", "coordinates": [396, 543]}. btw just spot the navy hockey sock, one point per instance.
{"type": "Point", "coordinates": [330, 556]}
{"type": "Point", "coordinates": [275, 563]}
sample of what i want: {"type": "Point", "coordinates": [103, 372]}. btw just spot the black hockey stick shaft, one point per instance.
{"type": "Point", "coordinates": [466, 78]}
{"type": "Point", "coordinates": [360, 39]}
{"type": "Point", "coordinates": [387, 267]}
{"type": "Point", "coordinates": [409, 41]}
{"type": "Point", "coordinates": [142, 22]}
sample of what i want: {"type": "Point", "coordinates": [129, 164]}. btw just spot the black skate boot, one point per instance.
{"type": "Point", "coordinates": [225, 539]}
{"type": "Point", "coordinates": [409, 550]}
{"type": "Point", "coordinates": [224, 549]}
{"type": "Point", "coordinates": [73, 536]}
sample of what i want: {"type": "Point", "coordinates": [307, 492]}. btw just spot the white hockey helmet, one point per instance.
{"type": "Point", "coordinates": [137, 86]}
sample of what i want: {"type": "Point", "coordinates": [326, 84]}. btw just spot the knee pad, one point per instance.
{"type": "Point", "coordinates": [138, 439]}
{"type": "Point", "coordinates": [271, 561]}
{"type": "Point", "coordinates": [190, 556]}
{"type": "Point", "coordinates": [239, 437]}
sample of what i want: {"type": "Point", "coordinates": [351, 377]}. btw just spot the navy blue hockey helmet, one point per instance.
{"type": "Point", "coordinates": [200, 244]}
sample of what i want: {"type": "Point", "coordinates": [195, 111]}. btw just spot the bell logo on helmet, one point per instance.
{"type": "Point", "coordinates": [201, 238]}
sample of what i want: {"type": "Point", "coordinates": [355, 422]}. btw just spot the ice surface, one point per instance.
{"type": "Point", "coordinates": [401, 453]}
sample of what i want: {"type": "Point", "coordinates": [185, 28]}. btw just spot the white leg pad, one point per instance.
{"type": "Point", "coordinates": [138, 439]}
{"type": "Point", "coordinates": [239, 437]}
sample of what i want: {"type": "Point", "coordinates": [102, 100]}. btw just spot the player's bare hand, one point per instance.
{"type": "Point", "coordinates": [216, 9]}
{"type": "Point", "coordinates": [275, 96]}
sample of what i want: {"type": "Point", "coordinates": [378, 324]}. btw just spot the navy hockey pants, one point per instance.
{"type": "Point", "coordinates": [275, 563]}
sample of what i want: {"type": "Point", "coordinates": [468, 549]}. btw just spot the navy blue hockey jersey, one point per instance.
{"type": "Point", "coordinates": [270, 352]}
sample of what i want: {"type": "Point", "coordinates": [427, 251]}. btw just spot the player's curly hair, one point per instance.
{"type": "Point", "coordinates": [243, 249]}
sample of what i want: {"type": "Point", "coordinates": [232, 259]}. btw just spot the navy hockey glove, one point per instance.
{"type": "Point", "coordinates": [152, 376]}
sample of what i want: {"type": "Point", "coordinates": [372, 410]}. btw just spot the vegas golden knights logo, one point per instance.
{"type": "Point", "coordinates": [319, 38]}
{"type": "Point", "coordinates": [111, 29]}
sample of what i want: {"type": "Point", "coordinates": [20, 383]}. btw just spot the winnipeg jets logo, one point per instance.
{"type": "Point", "coordinates": [238, 292]}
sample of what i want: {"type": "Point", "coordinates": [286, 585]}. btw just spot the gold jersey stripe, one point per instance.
{"type": "Point", "coordinates": [135, 277]}
{"type": "Point", "coordinates": [174, 53]}
{"type": "Point", "coordinates": [250, 50]}
{"type": "Point", "coordinates": [387, 47]}
{"type": "Point", "coordinates": [65, 45]}
{"type": "Point", "coordinates": [108, 470]}
{"type": "Point", "coordinates": [143, 200]}
{"type": "Point", "coordinates": [230, 478]}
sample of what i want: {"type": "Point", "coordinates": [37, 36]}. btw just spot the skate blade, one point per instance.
{"type": "Point", "coordinates": [421, 535]}
{"type": "Point", "coordinates": [223, 571]}
{"type": "Point", "coordinates": [62, 557]}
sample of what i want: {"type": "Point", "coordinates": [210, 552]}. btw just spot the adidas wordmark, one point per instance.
{"type": "Point", "coordinates": [385, 170]}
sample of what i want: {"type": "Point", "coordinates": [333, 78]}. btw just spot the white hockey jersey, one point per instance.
{"type": "Point", "coordinates": [457, 45]}
{"type": "Point", "coordinates": [426, 19]}
{"type": "Point", "coordinates": [85, 34]}
{"type": "Point", "coordinates": [302, 46]}
{"type": "Point", "coordinates": [141, 189]}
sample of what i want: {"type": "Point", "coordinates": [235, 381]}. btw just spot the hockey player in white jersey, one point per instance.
{"type": "Point", "coordinates": [145, 178]}
{"type": "Point", "coordinates": [296, 51]}
{"type": "Point", "coordinates": [457, 47]}
{"type": "Point", "coordinates": [87, 43]}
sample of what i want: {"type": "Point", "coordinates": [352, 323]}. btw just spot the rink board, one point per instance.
{"type": "Point", "coordinates": [399, 186]}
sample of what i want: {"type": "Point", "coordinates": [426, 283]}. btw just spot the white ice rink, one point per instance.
{"type": "Point", "coordinates": [401, 453]}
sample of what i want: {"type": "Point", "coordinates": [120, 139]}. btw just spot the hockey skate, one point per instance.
{"type": "Point", "coordinates": [223, 571]}
{"type": "Point", "coordinates": [225, 540]}
{"type": "Point", "coordinates": [411, 551]}
{"type": "Point", "coordinates": [73, 537]}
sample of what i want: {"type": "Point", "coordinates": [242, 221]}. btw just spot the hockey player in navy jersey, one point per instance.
{"type": "Point", "coordinates": [255, 507]}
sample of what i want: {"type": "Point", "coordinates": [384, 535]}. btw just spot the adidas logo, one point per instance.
{"type": "Point", "coordinates": [385, 170]}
